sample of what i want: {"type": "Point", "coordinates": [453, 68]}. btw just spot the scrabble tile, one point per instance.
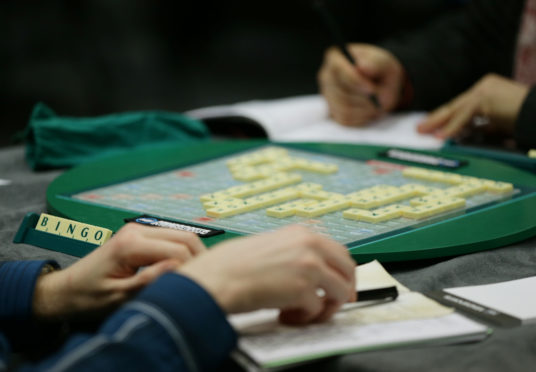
{"type": "Point", "coordinates": [421, 211]}
{"type": "Point", "coordinates": [453, 178]}
{"type": "Point", "coordinates": [499, 187]}
{"type": "Point", "coordinates": [364, 202]}
{"type": "Point", "coordinates": [355, 213]}
{"type": "Point", "coordinates": [308, 186]}
{"type": "Point", "coordinates": [417, 189]}
{"type": "Point", "coordinates": [216, 196]}
{"type": "Point", "coordinates": [433, 206]}
{"type": "Point", "coordinates": [414, 172]}
{"type": "Point", "coordinates": [219, 202]}
{"type": "Point", "coordinates": [288, 209]}
{"type": "Point", "coordinates": [375, 216]}
{"type": "Point", "coordinates": [319, 194]}
{"type": "Point", "coordinates": [323, 207]}
{"type": "Point", "coordinates": [223, 212]}
{"type": "Point", "coordinates": [248, 176]}
{"type": "Point", "coordinates": [451, 203]}
{"type": "Point", "coordinates": [465, 190]}
{"type": "Point", "coordinates": [73, 229]}
{"type": "Point", "coordinates": [271, 198]}
{"type": "Point", "coordinates": [382, 189]}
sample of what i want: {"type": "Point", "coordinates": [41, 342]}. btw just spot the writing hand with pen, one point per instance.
{"type": "Point", "coordinates": [362, 88]}
{"type": "Point", "coordinates": [490, 106]}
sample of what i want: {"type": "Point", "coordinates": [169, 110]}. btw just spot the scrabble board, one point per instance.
{"type": "Point", "coordinates": [381, 209]}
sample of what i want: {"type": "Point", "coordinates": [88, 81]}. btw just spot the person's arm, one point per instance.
{"type": "Point", "coordinates": [34, 306]}
{"type": "Point", "coordinates": [448, 57]}
{"type": "Point", "coordinates": [179, 323]}
{"type": "Point", "coordinates": [525, 127]}
{"type": "Point", "coordinates": [305, 275]}
{"type": "Point", "coordinates": [173, 324]}
{"type": "Point", "coordinates": [110, 275]}
{"type": "Point", "coordinates": [17, 285]}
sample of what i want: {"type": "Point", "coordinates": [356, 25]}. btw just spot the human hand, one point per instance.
{"type": "Point", "coordinates": [283, 269]}
{"type": "Point", "coordinates": [347, 87]}
{"type": "Point", "coordinates": [494, 98]}
{"type": "Point", "coordinates": [109, 275]}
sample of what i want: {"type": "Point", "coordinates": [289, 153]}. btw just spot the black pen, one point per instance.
{"type": "Point", "coordinates": [338, 39]}
{"type": "Point", "coordinates": [377, 294]}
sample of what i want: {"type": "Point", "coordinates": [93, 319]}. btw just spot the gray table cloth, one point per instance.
{"type": "Point", "coordinates": [508, 349]}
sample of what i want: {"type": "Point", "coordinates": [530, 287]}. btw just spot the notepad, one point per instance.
{"type": "Point", "coordinates": [306, 118]}
{"type": "Point", "coordinates": [412, 319]}
{"type": "Point", "coordinates": [514, 298]}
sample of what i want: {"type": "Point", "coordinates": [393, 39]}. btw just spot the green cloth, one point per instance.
{"type": "Point", "coordinates": [54, 141]}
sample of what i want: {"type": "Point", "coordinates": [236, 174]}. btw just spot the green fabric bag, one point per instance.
{"type": "Point", "coordinates": [53, 141]}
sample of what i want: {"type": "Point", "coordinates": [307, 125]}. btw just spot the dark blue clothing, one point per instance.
{"type": "Point", "coordinates": [454, 53]}
{"type": "Point", "coordinates": [173, 324]}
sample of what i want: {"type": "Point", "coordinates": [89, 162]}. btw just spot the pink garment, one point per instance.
{"type": "Point", "coordinates": [525, 62]}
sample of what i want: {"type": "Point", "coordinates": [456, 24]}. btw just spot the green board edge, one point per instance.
{"type": "Point", "coordinates": [483, 229]}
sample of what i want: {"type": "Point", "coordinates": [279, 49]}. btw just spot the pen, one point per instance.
{"type": "Point", "coordinates": [338, 39]}
{"type": "Point", "coordinates": [377, 294]}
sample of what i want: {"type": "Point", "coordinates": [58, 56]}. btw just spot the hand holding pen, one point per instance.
{"type": "Point", "coordinates": [360, 82]}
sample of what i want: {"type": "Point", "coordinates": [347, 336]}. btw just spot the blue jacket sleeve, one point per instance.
{"type": "Point", "coordinates": [172, 325]}
{"type": "Point", "coordinates": [17, 283]}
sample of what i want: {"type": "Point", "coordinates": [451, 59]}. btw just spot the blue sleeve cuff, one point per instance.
{"type": "Point", "coordinates": [17, 285]}
{"type": "Point", "coordinates": [196, 315]}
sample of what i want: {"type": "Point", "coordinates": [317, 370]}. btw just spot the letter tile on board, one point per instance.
{"type": "Point", "coordinates": [73, 229]}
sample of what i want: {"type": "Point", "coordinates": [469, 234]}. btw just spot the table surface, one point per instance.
{"type": "Point", "coordinates": [508, 349]}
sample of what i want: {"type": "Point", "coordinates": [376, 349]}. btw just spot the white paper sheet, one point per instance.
{"type": "Point", "coordinates": [306, 119]}
{"type": "Point", "coordinates": [412, 318]}
{"type": "Point", "coordinates": [515, 297]}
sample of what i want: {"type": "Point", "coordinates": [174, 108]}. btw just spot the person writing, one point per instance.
{"type": "Point", "coordinates": [479, 63]}
{"type": "Point", "coordinates": [170, 315]}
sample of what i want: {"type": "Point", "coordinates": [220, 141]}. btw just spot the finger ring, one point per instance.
{"type": "Point", "coordinates": [480, 120]}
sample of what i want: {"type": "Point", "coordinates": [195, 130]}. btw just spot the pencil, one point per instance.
{"type": "Point", "coordinates": [339, 41]}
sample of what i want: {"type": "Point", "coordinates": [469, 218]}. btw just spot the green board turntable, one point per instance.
{"type": "Point", "coordinates": [380, 208]}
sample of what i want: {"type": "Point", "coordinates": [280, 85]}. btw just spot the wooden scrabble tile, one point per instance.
{"type": "Point", "coordinates": [499, 187]}
{"type": "Point", "coordinates": [247, 176]}
{"type": "Point", "coordinates": [219, 202]}
{"type": "Point", "coordinates": [432, 206]}
{"type": "Point", "coordinates": [451, 203]}
{"type": "Point", "coordinates": [218, 195]}
{"type": "Point", "coordinates": [73, 229]}
{"type": "Point", "coordinates": [308, 186]}
{"type": "Point", "coordinates": [320, 194]}
{"type": "Point", "coordinates": [355, 213]}
{"type": "Point", "coordinates": [453, 178]}
{"type": "Point", "coordinates": [468, 189]}
{"type": "Point", "coordinates": [375, 216]}
{"type": "Point", "coordinates": [364, 202]}
{"type": "Point", "coordinates": [223, 212]}
{"type": "Point", "coordinates": [382, 189]}
{"type": "Point", "coordinates": [288, 209]}
{"type": "Point", "coordinates": [314, 166]}
{"type": "Point", "coordinates": [417, 190]}
{"type": "Point", "coordinates": [414, 172]}
{"type": "Point", "coordinates": [323, 207]}
{"type": "Point", "coordinates": [420, 211]}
